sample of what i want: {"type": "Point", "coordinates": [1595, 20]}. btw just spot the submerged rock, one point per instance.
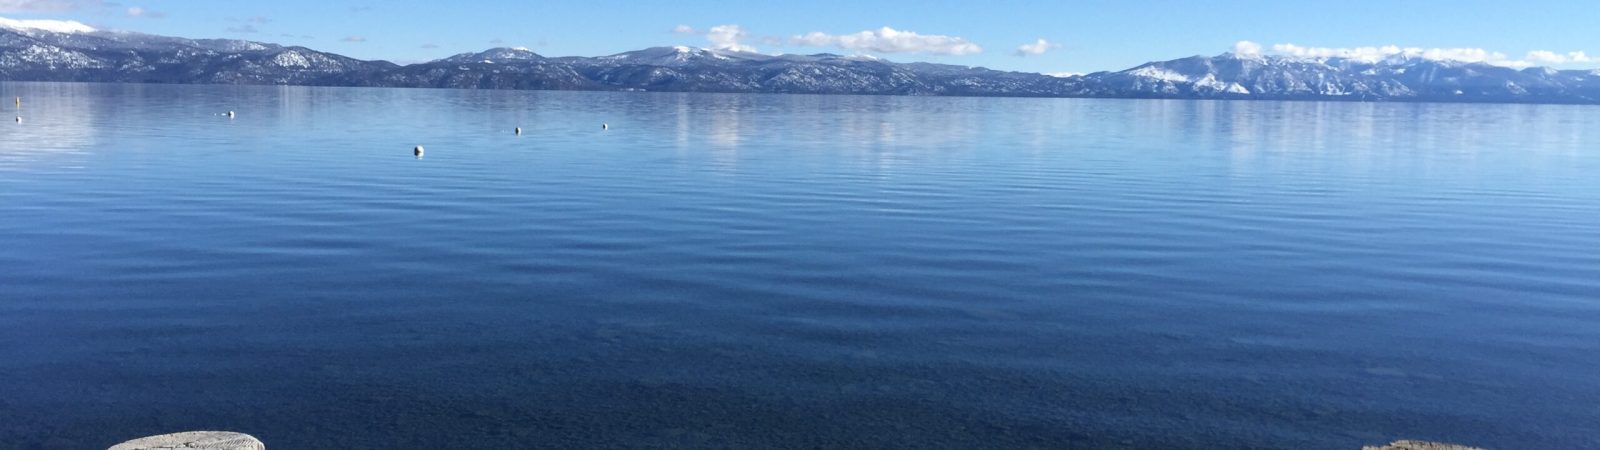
{"type": "Point", "coordinates": [194, 440]}
{"type": "Point", "coordinates": [1420, 445]}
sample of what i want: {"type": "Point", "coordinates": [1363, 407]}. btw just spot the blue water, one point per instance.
{"type": "Point", "coordinates": [758, 271]}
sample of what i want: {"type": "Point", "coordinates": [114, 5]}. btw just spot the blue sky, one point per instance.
{"type": "Point", "coordinates": [1078, 36]}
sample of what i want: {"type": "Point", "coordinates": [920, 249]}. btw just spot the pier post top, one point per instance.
{"type": "Point", "coordinates": [1420, 445]}
{"type": "Point", "coordinates": [194, 440]}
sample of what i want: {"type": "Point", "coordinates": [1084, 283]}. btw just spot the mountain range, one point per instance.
{"type": "Point", "coordinates": [87, 55]}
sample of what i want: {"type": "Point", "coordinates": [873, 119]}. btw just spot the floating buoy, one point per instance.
{"type": "Point", "coordinates": [417, 151]}
{"type": "Point", "coordinates": [519, 131]}
{"type": "Point", "coordinates": [230, 114]}
{"type": "Point", "coordinates": [605, 126]}
{"type": "Point", "coordinates": [19, 119]}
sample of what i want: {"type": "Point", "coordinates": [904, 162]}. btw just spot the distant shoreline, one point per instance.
{"type": "Point", "coordinates": [88, 55]}
{"type": "Point", "coordinates": [636, 91]}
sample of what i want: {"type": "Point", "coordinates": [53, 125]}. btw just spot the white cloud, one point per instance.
{"type": "Point", "coordinates": [721, 37]}
{"type": "Point", "coordinates": [1036, 48]}
{"type": "Point", "coordinates": [47, 5]}
{"type": "Point", "coordinates": [58, 26]}
{"type": "Point", "coordinates": [727, 37]}
{"type": "Point", "coordinates": [1246, 48]}
{"type": "Point", "coordinates": [890, 40]}
{"type": "Point", "coordinates": [1375, 54]}
{"type": "Point", "coordinates": [355, 39]}
{"type": "Point", "coordinates": [136, 11]}
{"type": "Point", "coordinates": [246, 28]}
{"type": "Point", "coordinates": [1549, 57]}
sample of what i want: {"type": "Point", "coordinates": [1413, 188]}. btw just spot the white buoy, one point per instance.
{"type": "Point", "coordinates": [605, 126]}
{"type": "Point", "coordinates": [417, 151]}
{"type": "Point", "coordinates": [519, 131]}
{"type": "Point", "coordinates": [230, 114]}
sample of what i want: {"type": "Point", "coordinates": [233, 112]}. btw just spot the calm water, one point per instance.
{"type": "Point", "coordinates": [758, 271]}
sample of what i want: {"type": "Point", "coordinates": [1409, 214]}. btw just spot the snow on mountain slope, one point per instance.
{"type": "Point", "coordinates": [52, 26]}
{"type": "Point", "coordinates": [71, 51]}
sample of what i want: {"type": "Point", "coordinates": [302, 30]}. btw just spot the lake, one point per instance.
{"type": "Point", "coordinates": [788, 271]}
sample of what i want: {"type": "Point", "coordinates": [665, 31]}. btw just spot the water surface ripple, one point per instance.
{"type": "Point", "coordinates": [767, 271]}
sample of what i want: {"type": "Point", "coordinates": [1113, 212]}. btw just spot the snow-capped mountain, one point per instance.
{"type": "Point", "coordinates": [678, 56]}
{"type": "Point", "coordinates": [687, 69]}
{"type": "Point", "coordinates": [495, 55]}
{"type": "Point", "coordinates": [1393, 78]}
{"type": "Point", "coordinates": [74, 52]}
{"type": "Point", "coordinates": [71, 51]}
